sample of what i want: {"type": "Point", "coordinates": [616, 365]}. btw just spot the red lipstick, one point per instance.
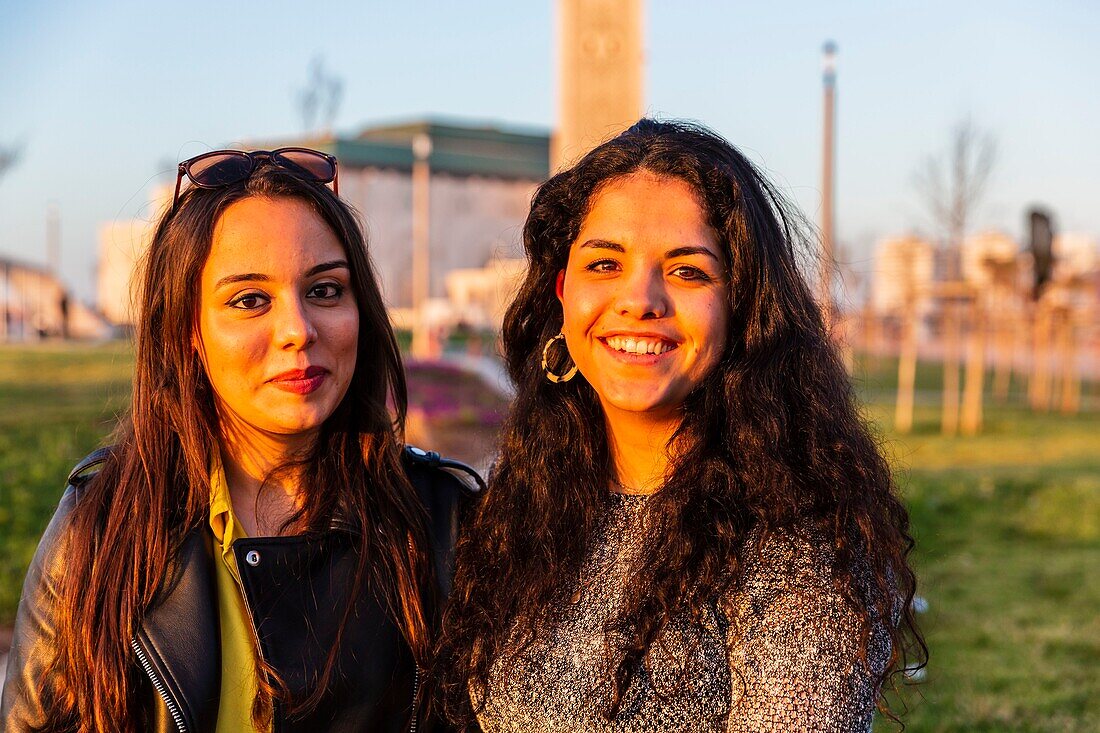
{"type": "Point", "coordinates": [300, 381]}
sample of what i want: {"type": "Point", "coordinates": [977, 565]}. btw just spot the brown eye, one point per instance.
{"type": "Point", "coordinates": [249, 301]}
{"type": "Point", "coordinates": [602, 266]}
{"type": "Point", "coordinates": [326, 291]}
{"type": "Point", "coordinates": [687, 272]}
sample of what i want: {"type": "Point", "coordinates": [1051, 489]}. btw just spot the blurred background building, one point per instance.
{"type": "Point", "coordinates": [481, 181]}
{"type": "Point", "coordinates": [444, 201]}
{"type": "Point", "coordinates": [903, 272]}
{"type": "Point", "coordinates": [35, 305]}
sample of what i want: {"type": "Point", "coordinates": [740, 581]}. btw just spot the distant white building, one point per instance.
{"type": "Point", "coordinates": [482, 179]}
{"type": "Point", "coordinates": [479, 297]}
{"type": "Point", "coordinates": [35, 305]}
{"type": "Point", "coordinates": [1076, 256]}
{"type": "Point", "coordinates": [121, 245]}
{"type": "Point", "coordinates": [984, 253]}
{"type": "Point", "coordinates": [904, 267]}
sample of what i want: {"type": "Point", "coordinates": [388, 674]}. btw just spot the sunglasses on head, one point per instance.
{"type": "Point", "coordinates": [226, 167]}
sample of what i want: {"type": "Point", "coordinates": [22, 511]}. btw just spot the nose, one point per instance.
{"type": "Point", "coordinates": [643, 295]}
{"type": "Point", "coordinates": [295, 329]}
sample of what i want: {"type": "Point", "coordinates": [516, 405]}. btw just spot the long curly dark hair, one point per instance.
{"type": "Point", "coordinates": [770, 442]}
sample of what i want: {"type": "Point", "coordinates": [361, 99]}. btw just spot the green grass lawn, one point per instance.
{"type": "Point", "coordinates": [1007, 526]}
{"type": "Point", "coordinates": [1008, 556]}
{"type": "Point", "coordinates": [57, 402]}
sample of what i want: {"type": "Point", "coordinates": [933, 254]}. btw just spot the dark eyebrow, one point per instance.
{"type": "Point", "coordinates": [259, 277]}
{"type": "Point", "coordinates": [325, 266]}
{"type": "Point", "coordinates": [243, 277]}
{"type": "Point", "coordinates": [685, 251]}
{"type": "Point", "coordinates": [603, 244]}
{"type": "Point", "coordinates": [677, 252]}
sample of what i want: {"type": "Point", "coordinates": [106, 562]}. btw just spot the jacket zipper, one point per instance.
{"type": "Point", "coordinates": [161, 688]}
{"type": "Point", "coordinates": [416, 670]}
{"type": "Point", "coordinates": [416, 694]}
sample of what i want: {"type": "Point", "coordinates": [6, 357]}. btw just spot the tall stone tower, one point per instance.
{"type": "Point", "coordinates": [600, 60]}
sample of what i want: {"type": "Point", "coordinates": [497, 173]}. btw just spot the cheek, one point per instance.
{"type": "Point", "coordinates": [712, 324]}
{"type": "Point", "coordinates": [229, 350]}
{"type": "Point", "coordinates": [582, 304]}
{"type": "Point", "coordinates": [576, 322]}
{"type": "Point", "coordinates": [344, 334]}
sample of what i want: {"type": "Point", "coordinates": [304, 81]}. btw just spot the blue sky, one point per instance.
{"type": "Point", "coordinates": [108, 96]}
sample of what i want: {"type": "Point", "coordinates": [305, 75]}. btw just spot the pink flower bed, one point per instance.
{"type": "Point", "coordinates": [445, 393]}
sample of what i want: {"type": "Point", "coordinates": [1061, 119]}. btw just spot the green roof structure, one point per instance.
{"type": "Point", "coordinates": [457, 149]}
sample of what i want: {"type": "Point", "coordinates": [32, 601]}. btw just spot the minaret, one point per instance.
{"type": "Point", "coordinates": [828, 177]}
{"type": "Point", "coordinates": [600, 62]}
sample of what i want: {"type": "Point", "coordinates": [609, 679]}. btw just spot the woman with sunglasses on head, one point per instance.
{"type": "Point", "coordinates": [689, 527]}
{"type": "Point", "coordinates": [257, 551]}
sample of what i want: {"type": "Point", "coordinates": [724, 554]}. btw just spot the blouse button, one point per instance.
{"type": "Point", "coordinates": [252, 558]}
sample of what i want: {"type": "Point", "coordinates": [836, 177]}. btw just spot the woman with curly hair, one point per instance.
{"type": "Point", "coordinates": [689, 526]}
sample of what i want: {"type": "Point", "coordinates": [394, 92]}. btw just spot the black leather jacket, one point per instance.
{"type": "Point", "coordinates": [177, 646]}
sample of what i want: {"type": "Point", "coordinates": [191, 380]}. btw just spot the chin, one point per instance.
{"type": "Point", "coordinates": [641, 404]}
{"type": "Point", "coordinates": [304, 424]}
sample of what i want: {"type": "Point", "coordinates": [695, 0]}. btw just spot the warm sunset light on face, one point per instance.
{"type": "Point", "coordinates": [278, 324]}
{"type": "Point", "coordinates": [644, 295]}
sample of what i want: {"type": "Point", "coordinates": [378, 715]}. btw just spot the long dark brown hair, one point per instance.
{"type": "Point", "coordinates": [132, 517]}
{"type": "Point", "coordinates": [771, 442]}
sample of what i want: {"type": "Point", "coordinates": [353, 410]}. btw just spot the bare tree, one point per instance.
{"type": "Point", "coordinates": [319, 101]}
{"type": "Point", "coordinates": [952, 183]}
{"type": "Point", "coordinates": [907, 354]}
{"type": "Point", "coordinates": [9, 156]}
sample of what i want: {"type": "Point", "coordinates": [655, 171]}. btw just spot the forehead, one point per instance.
{"type": "Point", "coordinates": [270, 235]}
{"type": "Point", "coordinates": [644, 209]}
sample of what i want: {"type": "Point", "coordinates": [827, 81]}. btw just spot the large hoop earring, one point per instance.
{"type": "Point", "coordinates": [551, 376]}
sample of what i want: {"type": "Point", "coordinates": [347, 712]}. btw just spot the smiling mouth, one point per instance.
{"type": "Point", "coordinates": [640, 346]}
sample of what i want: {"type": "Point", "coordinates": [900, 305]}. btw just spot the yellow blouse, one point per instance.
{"type": "Point", "coordinates": [238, 643]}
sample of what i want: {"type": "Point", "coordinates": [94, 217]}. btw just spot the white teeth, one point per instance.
{"type": "Point", "coordinates": [638, 346]}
